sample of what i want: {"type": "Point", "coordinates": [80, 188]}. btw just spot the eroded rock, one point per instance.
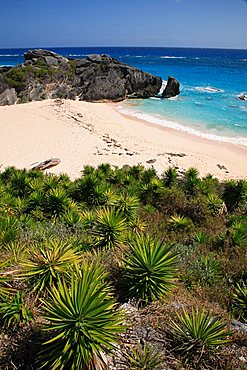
{"type": "Point", "coordinates": [172, 88]}
{"type": "Point", "coordinates": [45, 74]}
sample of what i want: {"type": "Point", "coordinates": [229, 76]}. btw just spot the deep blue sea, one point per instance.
{"type": "Point", "coordinates": [211, 81]}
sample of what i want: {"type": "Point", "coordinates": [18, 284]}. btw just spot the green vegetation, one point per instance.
{"type": "Point", "coordinates": [149, 269]}
{"type": "Point", "coordinates": [83, 316]}
{"type": "Point", "coordinates": [20, 76]}
{"type": "Point", "coordinates": [198, 332]}
{"type": "Point", "coordinates": [144, 357]}
{"type": "Point", "coordinates": [73, 252]}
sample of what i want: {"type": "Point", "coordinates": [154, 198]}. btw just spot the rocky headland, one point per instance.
{"type": "Point", "coordinates": [45, 74]}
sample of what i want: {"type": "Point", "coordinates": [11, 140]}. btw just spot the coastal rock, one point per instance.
{"type": "Point", "coordinates": [47, 55]}
{"type": "Point", "coordinates": [45, 74]}
{"type": "Point", "coordinates": [8, 97]}
{"type": "Point", "coordinates": [172, 88]}
{"type": "Point", "coordinates": [242, 96]}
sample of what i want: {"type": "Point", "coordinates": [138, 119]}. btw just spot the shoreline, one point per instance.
{"type": "Point", "coordinates": [183, 127]}
{"type": "Point", "coordinates": [81, 133]}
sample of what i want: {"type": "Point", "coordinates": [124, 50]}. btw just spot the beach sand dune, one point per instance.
{"type": "Point", "coordinates": [81, 133]}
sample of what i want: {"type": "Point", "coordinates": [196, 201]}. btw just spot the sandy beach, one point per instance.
{"type": "Point", "coordinates": [81, 133]}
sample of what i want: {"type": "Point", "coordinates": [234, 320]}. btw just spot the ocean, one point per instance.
{"type": "Point", "coordinates": [211, 81]}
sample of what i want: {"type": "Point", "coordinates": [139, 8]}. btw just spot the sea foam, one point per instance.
{"type": "Point", "coordinates": [171, 57]}
{"type": "Point", "coordinates": [208, 89]}
{"type": "Point", "coordinates": [158, 120]}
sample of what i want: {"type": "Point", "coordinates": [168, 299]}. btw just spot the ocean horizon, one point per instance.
{"type": "Point", "coordinates": [211, 82]}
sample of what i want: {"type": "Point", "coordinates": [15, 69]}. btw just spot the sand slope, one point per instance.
{"type": "Point", "coordinates": [81, 133]}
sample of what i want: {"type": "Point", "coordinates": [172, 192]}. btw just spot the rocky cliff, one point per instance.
{"type": "Point", "coordinates": [45, 74]}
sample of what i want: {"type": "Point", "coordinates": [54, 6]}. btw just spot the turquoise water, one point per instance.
{"type": "Point", "coordinates": [211, 80]}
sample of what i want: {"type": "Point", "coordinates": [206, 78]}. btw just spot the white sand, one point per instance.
{"type": "Point", "coordinates": [81, 133]}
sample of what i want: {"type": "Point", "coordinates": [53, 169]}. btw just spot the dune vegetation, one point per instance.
{"type": "Point", "coordinates": [122, 269]}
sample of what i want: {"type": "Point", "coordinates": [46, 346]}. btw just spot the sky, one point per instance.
{"type": "Point", "coordinates": [168, 23]}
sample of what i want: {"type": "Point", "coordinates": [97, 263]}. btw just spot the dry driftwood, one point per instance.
{"type": "Point", "coordinates": [45, 165]}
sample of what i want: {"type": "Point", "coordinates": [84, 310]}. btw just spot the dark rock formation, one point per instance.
{"type": "Point", "coordinates": [243, 96]}
{"type": "Point", "coordinates": [45, 74]}
{"type": "Point", "coordinates": [172, 88]}
{"type": "Point", "coordinates": [48, 56]}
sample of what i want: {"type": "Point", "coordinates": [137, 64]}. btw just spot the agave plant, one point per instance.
{"type": "Point", "coordinates": [14, 312]}
{"type": "Point", "coordinates": [57, 202]}
{"type": "Point", "coordinates": [16, 250]}
{"type": "Point", "coordinates": [234, 194]}
{"type": "Point", "coordinates": [127, 205]}
{"type": "Point", "coordinates": [149, 269]}
{"type": "Point", "coordinates": [143, 357]}
{"type": "Point", "coordinates": [47, 262]}
{"type": "Point", "coordinates": [109, 229]}
{"type": "Point", "coordinates": [72, 218]}
{"type": "Point", "coordinates": [149, 193]}
{"type": "Point", "coordinates": [19, 206]}
{"type": "Point", "coordinates": [191, 181]}
{"type": "Point", "coordinates": [240, 300]}
{"type": "Point", "coordinates": [20, 184]}
{"type": "Point", "coordinates": [238, 234]}
{"type": "Point", "coordinates": [180, 222]}
{"type": "Point", "coordinates": [91, 190]}
{"type": "Point", "coordinates": [196, 332]}
{"type": "Point", "coordinates": [137, 226]}
{"type": "Point", "coordinates": [201, 237]}
{"type": "Point", "coordinates": [209, 271]}
{"type": "Point", "coordinates": [9, 229]}
{"type": "Point", "coordinates": [4, 286]}
{"type": "Point", "coordinates": [215, 204]}
{"type": "Point", "coordinates": [36, 200]}
{"type": "Point", "coordinates": [51, 182]}
{"type": "Point", "coordinates": [84, 318]}
{"type": "Point", "coordinates": [170, 177]}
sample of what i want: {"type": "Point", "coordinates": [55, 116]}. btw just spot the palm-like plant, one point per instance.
{"type": "Point", "coordinates": [36, 200]}
{"type": "Point", "coordinates": [127, 205]}
{"type": "Point", "coordinates": [57, 202]}
{"type": "Point", "coordinates": [209, 271]}
{"type": "Point", "coordinates": [72, 218]}
{"type": "Point", "coordinates": [20, 184]}
{"type": "Point", "coordinates": [137, 226]}
{"type": "Point", "coordinates": [240, 300]}
{"type": "Point", "coordinates": [149, 269]}
{"type": "Point", "coordinates": [170, 177]}
{"type": "Point", "coordinates": [149, 193]}
{"type": "Point", "coordinates": [46, 263]}
{"type": "Point", "coordinates": [234, 194]}
{"type": "Point", "coordinates": [238, 234]}
{"type": "Point", "coordinates": [180, 222]}
{"type": "Point", "coordinates": [201, 237]}
{"type": "Point", "coordinates": [9, 229]}
{"type": "Point", "coordinates": [215, 204]}
{"type": "Point", "coordinates": [143, 357]}
{"type": "Point", "coordinates": [109, 228]}
{"type": "Point", "coordinates": [14, 312]}
{"type": "Point", "coordinates": [191, 181]}
{"type": "Point", "coordinates": [84, 319]}
{"type": "Point", "coordinates": [4, 287]}
{"type": "Point", "coordinates": [196, 332]}
{"type": "Point", "coordinates": [91, 190]}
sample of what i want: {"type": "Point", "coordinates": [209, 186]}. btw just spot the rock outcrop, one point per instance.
{"type": "Point", "coordinates": [172, 88]}
{"type": "Point", "coordinates": [45, 74]}
{"type": "Point", "coordinates": [242, 96]}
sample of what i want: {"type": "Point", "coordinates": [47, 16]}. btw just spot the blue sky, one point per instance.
{"type": "Point", "coordinates": [185, 23]}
